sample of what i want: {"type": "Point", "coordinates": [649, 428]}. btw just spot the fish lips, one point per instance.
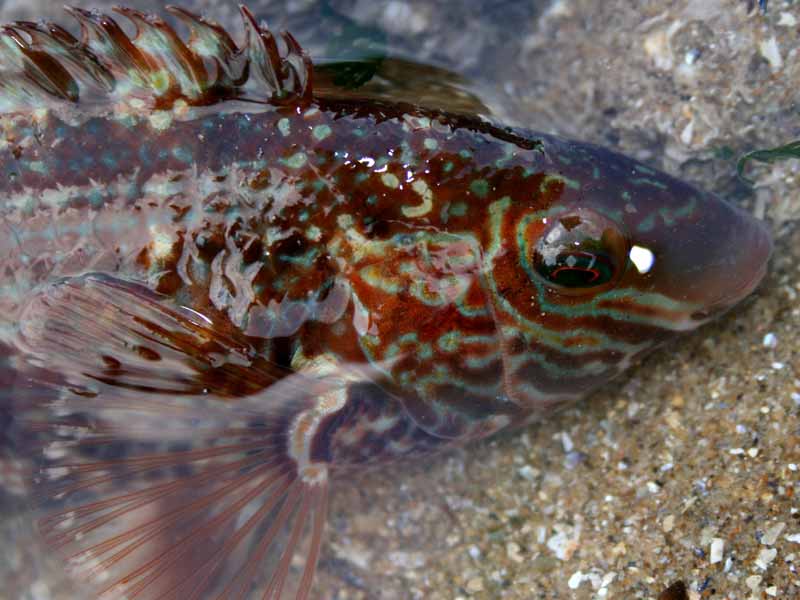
{"type": "Point", "coordinates": [706, 262]}
{"type": "Point", "coordinates": [750, 263]}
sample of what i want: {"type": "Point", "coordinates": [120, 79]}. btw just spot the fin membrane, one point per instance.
{"type": "Point", "coordinates": [154, 484]}
{"type": "Point", "coordinates": [107, 330]}
{"type": "Point", "coordinates": [41, 64]}
{"type": "Point", "coordinates": [393, 80]}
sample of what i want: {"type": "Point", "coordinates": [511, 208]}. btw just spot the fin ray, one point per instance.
{"type": "Point", "coordinates": [143, 525]}
{"type": "Point", "coordinates": [44, 65]}
{"type": "Point", "coordinates": [106, 330]}
{"type": "Point", "coordinates": [142, 488]}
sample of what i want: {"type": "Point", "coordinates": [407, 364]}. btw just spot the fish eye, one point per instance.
{"type": "Point", "coordinates": [580, 252]}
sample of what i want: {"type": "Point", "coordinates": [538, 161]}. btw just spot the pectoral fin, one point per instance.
{"type": "Point", "coordinates": [100, 329]}
{"type": "Point", "coordinates": [155, 480]}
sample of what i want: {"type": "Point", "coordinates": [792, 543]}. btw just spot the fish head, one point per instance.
{"type": "Point", "coordinates": [610, 260]}
{"type": "Point", "coordinates": [702, 254]}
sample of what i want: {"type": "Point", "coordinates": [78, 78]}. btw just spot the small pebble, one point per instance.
{"type": "Point", "coordinates": [772, 53]}
{"type": "Point", "coordinates": [528, 472]}
{"type": "Point", "coordinates": [770, 340]}
{"type": "Point", "coordinates": [717, 550]}
{"type": "Point", "coordinates": [771, 535]}
{"type": "Point", "coordinates": [753, 582]}
{"type": "Point", "coordinates": [765, 557]}
{"type": "Point", "coordinates": [475, 585]}
{"type": "Point", "coordinates": [564, 542]}
{"type": "Point", "coordinates": [575, 581]}
{"type": "Point", "coordinates": [513, 552]}
{"type": "Point", "coordinates": [668, 524]}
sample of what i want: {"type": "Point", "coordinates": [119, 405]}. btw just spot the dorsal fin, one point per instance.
{"type": "Point", "coordinates": [41, 64]}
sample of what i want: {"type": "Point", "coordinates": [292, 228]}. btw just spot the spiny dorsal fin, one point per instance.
{"type": "Point", "coordinates": [42, 64]}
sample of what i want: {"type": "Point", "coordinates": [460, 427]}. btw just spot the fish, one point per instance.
{"type": "Point", "coordinates": [224, 291]}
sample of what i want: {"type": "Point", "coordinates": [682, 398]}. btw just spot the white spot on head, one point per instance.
{"type": "Point", "coordinates": [160, 120]}
{"type": "Point", "coordinates": [345, 221]}
{"type": "Point", "coordinates": [642, 258]}
{"type": "Point", "coordinates": [390, 180]}
{"type": "Point", "coordinates": [161, 241]}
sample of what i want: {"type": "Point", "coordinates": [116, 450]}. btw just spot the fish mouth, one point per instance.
{"type": "Point", "coordinates": [755, 257]}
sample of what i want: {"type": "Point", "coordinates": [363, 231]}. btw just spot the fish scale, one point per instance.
{"type": "Point", "coordinates": [229, 288]}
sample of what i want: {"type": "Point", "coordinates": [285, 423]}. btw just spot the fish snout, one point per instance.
{"type": "Point", "coordinates": [705, 262]}
{"type": "Point", "coordinates": [739, 268]}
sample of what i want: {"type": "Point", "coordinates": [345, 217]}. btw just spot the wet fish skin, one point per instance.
{"type": "Point", "coordinates": [331, 224]}
{"type": "Point", "coordinates": [232, 289]}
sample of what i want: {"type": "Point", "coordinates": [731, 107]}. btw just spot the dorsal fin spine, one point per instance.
{"type": "Point", "coordinates": [186, 67]}
{"type": "Point", "coordinates": [208, 40]}
{"type": "Point", "coordinates": [41, 64]}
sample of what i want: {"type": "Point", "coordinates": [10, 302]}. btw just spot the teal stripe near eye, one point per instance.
{"type": "Point", "coordinates": [589, 308]}
{"type": "Point", "coordinates": [453, 340]}
{"type": "Point", "coordinates": [525, 252]}
{"type": "Point", "coordinates": [481, 362]}
{"type": "Point", "coordinates": [444, 376]}
{"type": "Point", "coordinates": [471, 311]}
{"type": "Point", "coordinates": [562, 342]}
{"type": "Point", "coordinates": [594, 368]}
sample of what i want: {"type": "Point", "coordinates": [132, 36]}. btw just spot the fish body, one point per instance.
{"type": "Point", "coordinates": [230, 289]}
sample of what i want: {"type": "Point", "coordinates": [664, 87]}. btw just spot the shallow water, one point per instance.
{"type": "Point", "coordinates": [695, 449]}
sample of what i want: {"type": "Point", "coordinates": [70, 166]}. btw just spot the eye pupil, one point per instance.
{"type": "Point", "coordinates": [578, 269]}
